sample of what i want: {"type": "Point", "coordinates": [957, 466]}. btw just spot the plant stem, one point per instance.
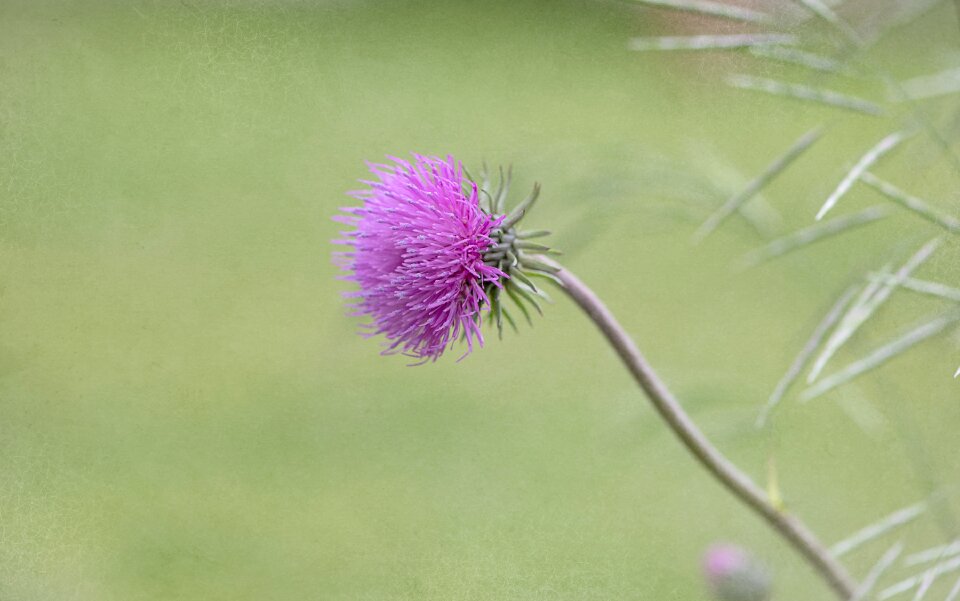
{"type": "Point", "coordinates": [737, 482]}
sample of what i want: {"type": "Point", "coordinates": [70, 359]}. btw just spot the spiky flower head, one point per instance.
{"type": "Point", "coordinates": [430, 254]}
{"type": "Point", "coordinates": [733, 574]}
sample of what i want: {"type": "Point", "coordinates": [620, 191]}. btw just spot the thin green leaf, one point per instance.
{"type": "Point", "coordinates": [911, 203]}
{"type": "Point", "coordinates": [826, 13]}
{"type": "Point", "coordinates": [802, 92]}
{"type": "Point", "coordinates": [912, 582]}
{"type": "Point", "coordinates": [532, 246]}
{"type": "Point", "coordinates": [509, 318]}
{"type": "Point", "coordinates": [882, 147]}
{"type": "Point", "coordinates": [875, 295]}
{"type": "Point", "coordinates": [497, 311]}
{"type": "Point", "coordinates": [712, 42]}
{"type": "Point", "coordinates": [712, 9]}
{"type": "Point", "coordinates": [881, 355]}
{"type": "Point", "coordinates": [902, 13]}
{"type": "Point", "coordinates": [879, 528]}
{"type": "Point", "coordinates": [930, 86]}
{"type": "Point", "coordinates": [545, 275]}
{"type": "Point", "coordinates": [519, 303]}
{"type": "Point", "coordinates": [937, 553]}
{"type": "Point", "coordinates": [521, 276]}
{"type": "Point", "coordinates": [801, 58]}
{"type": "Point", "coordinates": [873, 576]}
{"type": "Point", "coordinates": [954, 592]}
{"type": "Point", "coordinates": [503, 191]}
{"type": "Point", "coordinates": [812, 234]}
{"type": "Point", "coordinates": [806, 353]}
{"type": "Point", "coordinates": [530, 263]}
{"type": "Point", "coordinates": [521, 209]}
{"type": "Point", "coordinates": [527, 296]}
{"type": "Point", "coordinates": [920, 286]}
{"type": "Point", "coordinates": [773, 170]}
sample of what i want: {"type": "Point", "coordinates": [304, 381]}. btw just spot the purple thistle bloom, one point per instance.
{"type": "Point", "coordinates": [418, 256]}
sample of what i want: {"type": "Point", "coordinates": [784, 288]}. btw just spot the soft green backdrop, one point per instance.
{"type": "Point", "coordinates": [186, 413]}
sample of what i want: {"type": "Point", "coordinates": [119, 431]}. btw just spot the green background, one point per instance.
{"type": "Point", "coordinates": [187, 413]}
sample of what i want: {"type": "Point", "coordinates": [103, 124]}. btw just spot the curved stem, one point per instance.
{"type": "Point", "coordinates": [790, 527]}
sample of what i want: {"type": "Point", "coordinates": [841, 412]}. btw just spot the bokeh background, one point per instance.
{"type": "Point", "coordinates": [185, 409]}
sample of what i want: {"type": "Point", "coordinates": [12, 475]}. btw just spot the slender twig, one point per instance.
{"type": "Point", "coordinates": [729, 475]}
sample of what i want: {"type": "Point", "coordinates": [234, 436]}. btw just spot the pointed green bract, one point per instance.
{"type": "Point", "coordinates": [511, 250]}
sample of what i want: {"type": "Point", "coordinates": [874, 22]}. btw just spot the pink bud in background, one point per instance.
{"type": "Point", "coordinates": [733, 574]}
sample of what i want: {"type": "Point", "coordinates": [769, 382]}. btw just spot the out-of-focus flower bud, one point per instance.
{"type": "Point", "coordinates": [733, 574]}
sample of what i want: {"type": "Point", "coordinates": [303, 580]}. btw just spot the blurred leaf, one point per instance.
{"type": "Point", "coordinates": [810, 235]}
{"type": "Point", "coordinates": [804, 92]}
{"type": "Point", "coordinates": [711, 42]}
{"type": "Point", "coordinates": [873, 297]}
{"type": "Point", "coordinates": [877, 571]}
{"type": "Point", "coordinates": [881, 355]}
{"type": "Point", "coordinates": [773, 170]}
{"type": "Point", "coordinates": [806, 353]}
{"type": "Point", "coordinates": [911, 203]}
{"type": "Point", "coordinates": [879, 528]}
{"type": "Point", "coordinates": [866, 161]}
{"type": "Point", "coordinates": [712, 9]}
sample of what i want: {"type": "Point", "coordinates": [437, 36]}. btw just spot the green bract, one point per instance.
{"type": "Point", "coordinates": [514, 253]}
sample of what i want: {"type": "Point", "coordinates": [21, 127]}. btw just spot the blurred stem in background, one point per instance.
{"type": "Point", "coordinates": [737, 482]}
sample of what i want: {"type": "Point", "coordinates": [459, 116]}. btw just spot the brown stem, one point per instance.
{"type": "Point", "coordinates": [789, 526]}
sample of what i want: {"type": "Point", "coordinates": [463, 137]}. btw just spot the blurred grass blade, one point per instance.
{"type": "Point", "coordinates": [879, 528]}
{"type": "Point", "coordinates": [921, 286]}
{"type": "Point", "coordinates": [881, 355]}
{"type": "Point", "coordinates": [712, 9]}
{"type": "Point", "coordinates": [903, 14]}
{"type": "Point", "coordinates": [879, 569]}
{"type": "Point", "coordinates": [806, 353]}
{"type": "Point", "coordinates": [925, 585]}
{"type": "Point", "coordinates": [826, 13]}
{"type": "Point", "coordinates": [875, 294]}
{"type": "Point", "coordinates": [820, 9]}
{"type": "Point", "coordinates": [772, 171]}
{"type": "Point", "coordinates": [909, 583]}
{"type": "Point", "coordinates": [812, 234]}
{"type": "Point", "coordinates": [954, 593]}
{"type": "Point", "coordinates": [882, 147]}
{"type": "Point", "coordinates": [938, 553]}
{"type": "Point", "coordinates": [727, 181]}
{"type": "Point", "coordinates": [930, 86]}
{"type": "Point", "coordinates": [802, 92]}
{"type": "Point", "coordinates": [911, 203]}
{"type": "Point", "coordinates": [711, 42]}
{"type": "Point", "coordinates": [802, 58]}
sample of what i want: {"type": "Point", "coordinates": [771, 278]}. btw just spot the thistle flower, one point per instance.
{"type": "Point", "coordinates": [429, 255]}
{"type": "Point", "coordinates": [733, 574]}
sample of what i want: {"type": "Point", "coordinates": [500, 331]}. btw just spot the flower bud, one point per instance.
{"type": "Point", "coordinates": [733, 574]}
